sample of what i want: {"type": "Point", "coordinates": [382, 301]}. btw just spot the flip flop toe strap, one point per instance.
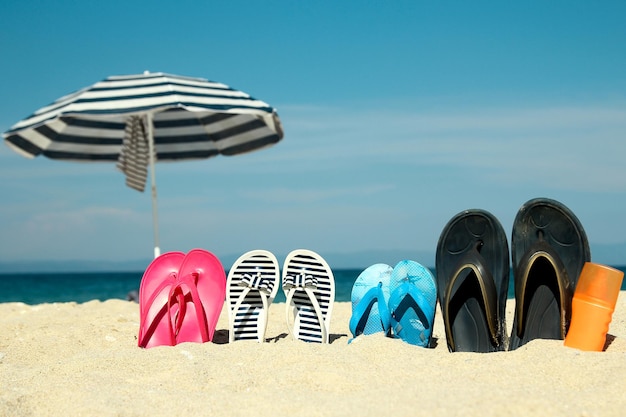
{"type": "Point", "coordinates": [308, 284]}
{"type": "Point", "coordinates": [541, 250]}
{"type": "Point", "coordinates": [363, 307]}
{"type": "Point", "coordinates": [251, 282]}
{"type": "Point", "coordinates": [407, 297]}
{"type": "Point", "coordinates": [168, 282]}
{"type": "Point", "coordinates": [474, 262]}
{"type": "Point", "coordinates": [177, 292]}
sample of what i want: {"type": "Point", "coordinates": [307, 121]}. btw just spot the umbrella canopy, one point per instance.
{"type": "Point", "coordinates": [135, 120]}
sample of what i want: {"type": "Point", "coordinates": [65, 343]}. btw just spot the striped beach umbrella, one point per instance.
{"type": "Point", "coordinates": [136, 120]}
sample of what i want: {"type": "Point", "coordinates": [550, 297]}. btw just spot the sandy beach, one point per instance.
{"type": "Point", "coordinates": [82, 360]}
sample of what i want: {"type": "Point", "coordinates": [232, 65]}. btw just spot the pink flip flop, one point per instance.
{"type": "Point", "coordinates": [155, 326]}
{"type": "Point", "coordinates": [199, 294]}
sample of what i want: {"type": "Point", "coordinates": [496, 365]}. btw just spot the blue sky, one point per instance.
{"type": "Point", "coordinates": [397, 115]}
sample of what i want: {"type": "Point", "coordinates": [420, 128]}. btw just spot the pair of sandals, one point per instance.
{"type": "Point", "coordinates": [399, 302]}
{"type": "Point", "coordinates": [308, 284]}
{"type": "Point", "coordinates": [548, 249]}
{"type": "Point", "coordinates": [181, 297]}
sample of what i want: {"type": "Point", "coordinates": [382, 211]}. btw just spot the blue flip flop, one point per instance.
{"type": "Point", "coordinates": [412, 303]}
{"type": "Point", "coordinates": [370, 294]}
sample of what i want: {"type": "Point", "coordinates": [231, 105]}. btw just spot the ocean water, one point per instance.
{"type": "Point", "coordinates": [37, 288]}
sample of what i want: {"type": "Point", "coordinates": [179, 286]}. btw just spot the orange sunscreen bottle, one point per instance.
{"type": "Point", "coordinates": [592, 306]}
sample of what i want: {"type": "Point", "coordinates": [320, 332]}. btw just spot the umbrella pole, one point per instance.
{"type": "Point", "coordinates": [155, 214]}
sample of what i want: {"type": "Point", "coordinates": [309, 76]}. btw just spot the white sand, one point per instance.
{"type": "Point", "coordinates": [83, 360]}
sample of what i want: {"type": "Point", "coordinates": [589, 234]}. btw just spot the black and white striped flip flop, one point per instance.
{"type": "Point", "coordinates": [309, 287]}
{"type": "Point", "coordinates": [251, 286]}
